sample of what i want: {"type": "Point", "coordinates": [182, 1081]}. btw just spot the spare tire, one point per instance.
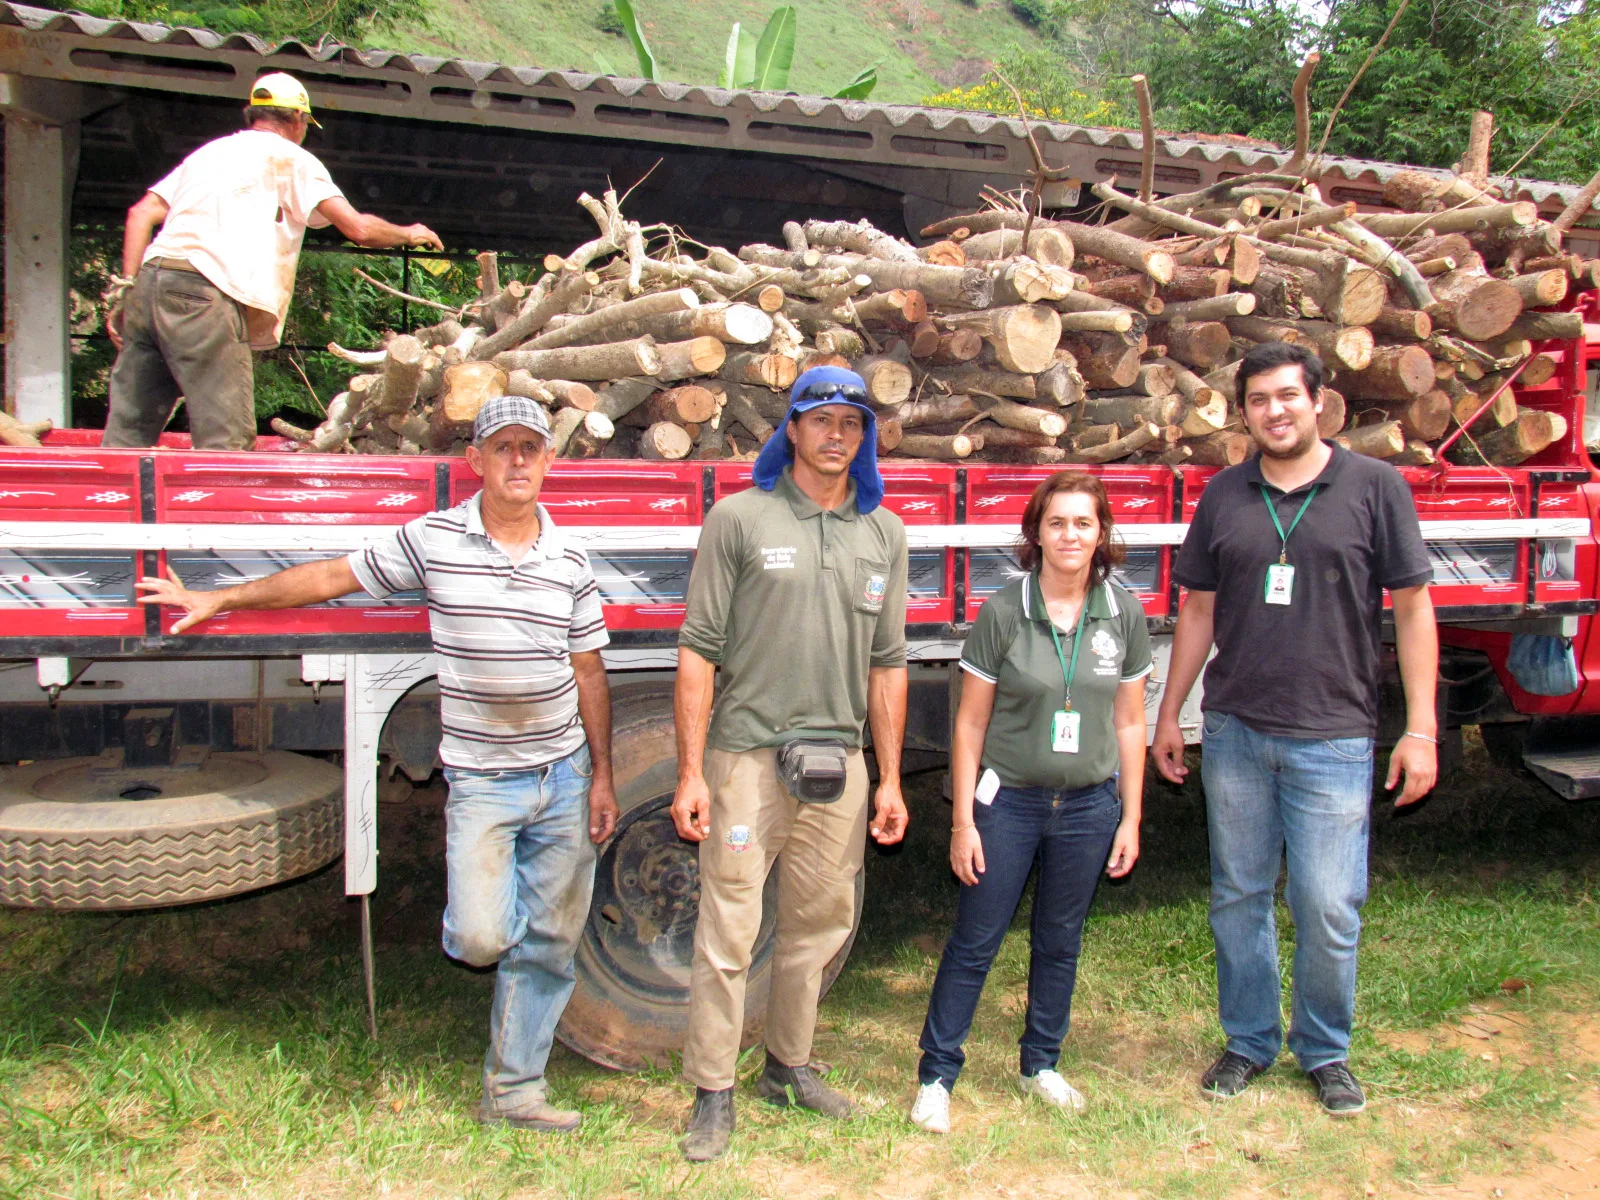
{"type": "Point", "coordinates": [88, 833]}
{"type": "Point", "coordinates": [630, 1009]}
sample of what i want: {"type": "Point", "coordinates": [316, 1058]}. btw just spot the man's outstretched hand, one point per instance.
{"type": "Point", "coordinates": [197, 606]}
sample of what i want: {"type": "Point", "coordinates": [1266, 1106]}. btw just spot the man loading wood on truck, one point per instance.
{"type": "Point", "coordinates": [215, 283]}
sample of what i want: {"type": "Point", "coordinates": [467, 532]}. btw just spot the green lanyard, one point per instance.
{"type": "Point", "coordinates": [1272, 511]}
{"type": "Point", "coordinates": [1068, 674]}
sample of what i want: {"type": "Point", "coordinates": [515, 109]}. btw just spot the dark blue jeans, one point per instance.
{"type": "Point", "coordinates": [1069, 833]}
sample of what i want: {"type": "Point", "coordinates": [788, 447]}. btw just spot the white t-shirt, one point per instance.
{"type": "Point", "coordinates": [239, 207]}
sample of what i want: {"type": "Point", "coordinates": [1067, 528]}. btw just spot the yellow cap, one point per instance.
{"type": "Point", "coordinates": [282, 91]}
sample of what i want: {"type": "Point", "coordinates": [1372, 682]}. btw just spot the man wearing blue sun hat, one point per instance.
{"type": "Point", "coordinates": [798, 595]}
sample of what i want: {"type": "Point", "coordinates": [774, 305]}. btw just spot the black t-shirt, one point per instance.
{"type": "Point", "coordinates": [1308, 669]}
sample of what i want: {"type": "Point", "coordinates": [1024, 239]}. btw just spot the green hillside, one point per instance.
{"type": "Point", "coordinates": [927, 46]}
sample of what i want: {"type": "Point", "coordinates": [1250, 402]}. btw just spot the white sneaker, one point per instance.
{"type": "Point", "coordinates": [1054, 1091]}
{"type": "Point", "coordinates": [932, 1109]}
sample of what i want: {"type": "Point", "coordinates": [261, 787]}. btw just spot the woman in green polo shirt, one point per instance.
{"type": "Point", "coordinates": [1052, 708]}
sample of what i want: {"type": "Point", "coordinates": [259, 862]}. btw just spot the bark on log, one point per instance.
{"type": "Point", "coordinates": [1408, 323]}
{"type": "Point", "coordinates": [1465, 402]}
{"type": "Point", "coordinates": [1189, 385]}
{"type": "Point", "coordinates": [1024, 336]}
{"type": "Point", "coordinates": [1546, 326]}
{"type": "Point", "coordinates": [569, 393]}
{"type": "Point", "coordinates": [1156, 379]}
{"type": "Point", "coordinates": [1224, 449]}
{"type": "Point", "coordinates": [1457, 220]}
{"type": "Point", "coordinates": [1079, 300]}
{"type": "Point", "coordinates": [1417, 192]}
{"type": "Point", "coordinates": [1051, 247]}
{"type": "Point", "coordinates": [1474, 305]}
{"type": "Point", "coordinates": [594, 326]}
{"type": "Point", "coordinates": [1234, 304]}
{"type": "Point", "coordinates": [1022, 416]}
{"type": "Point", "coordinates": [1533, 431]}
{"type": "Point", "coordinates": [1332, 417]}
{"type": "Point", "coordinates": [591, 436]}
{"type": "Point", "coordinates": [521, 383]}
{"type": "Point", "coordinates": [958, 346]}
{"type": "Point", "coordinates": [860, 237]}
{"type": "Point", "coordinates": [777, 371]}
{"type": "Point", "coordinates": [997, 436]}
{"type": "Point", "coordinates": [1119, 248]}
{"type": "Point", "coordinates": [838, 340]}
{"type": "Point", "coordinates": [739, 409]}
{"type": "Point", "coordinates": [568, 288]}
{"type": "Point", "coordinates": [1383, 440]}
{"type": "Point", "coordinates": [1030, 456]}
{"type": "Point", "coordinates": [1128, 291]}
{"type": "Point", "coordinates": [621, 397]}
{"type": "Point", "coordinates": [936, 410]}
{"type": "Point", "coordinates": [1425, 417]}
{"type": "Point", "coordinates": [927, 445]}
{"type": "Point", "coordinates": [401, 375]}
{"type": "Point", "coordinates": [1094, 435]}
{"type": "Point", "coordinates": [1396, 373]}
{"type": "Point", "coordinates": [685, 360]}
{"type": "Point", "coordinates": [1105, 360]}
{"type": "Point", "coordinates": [1112, 321]}
{"type": "Point", "coordinates": [1198, 344]}
{"type": "Point", "coordinates": [1023, 281]}
{"type": "Point", "coordinates": [1196, 283]}
{"type": "Point", "coordinates": [733, 323]}
{"type": "Point", "coordinates": [467, 388]}
{"type": "Point", "coordinates": [607, 360]}
{"type": "Point", "coordinates": [665, 440]}
{"type": "Point", "coordinates": [1135, 439]}
{"type": "Point", "coordinates": [1202, 417]}
{"type": "Point", "coordinates": [1128, 411]}
{"type": "Point", "coordinates": [1542, 288]}
{"type": "Point", "coordinates": [688, 405]}
{"type": "Point", "coordinates": [923, 339]}
{"type": "Point", "coordinates": [563, 424]}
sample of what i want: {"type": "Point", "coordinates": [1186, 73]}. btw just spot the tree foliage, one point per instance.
{"type": "Point", "coordinates": [1226, 66]}
{"type": "Point", "coordinates": [275, 20]}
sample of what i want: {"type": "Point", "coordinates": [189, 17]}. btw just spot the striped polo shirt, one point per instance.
{"type": "Point", "coordinates": [502, 634]}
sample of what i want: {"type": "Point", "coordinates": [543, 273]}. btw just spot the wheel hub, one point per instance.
{"type": "Point", "coordinates": [657, 878]}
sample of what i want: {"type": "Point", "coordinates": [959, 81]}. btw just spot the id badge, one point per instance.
{"type": "Point", "coordinates": [1064, 732]}
{"type": "Point", "coordinates": [1280, 584]}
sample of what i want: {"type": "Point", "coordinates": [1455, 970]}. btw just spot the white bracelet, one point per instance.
{"type": "Point", "coordinates": [1421, 737]}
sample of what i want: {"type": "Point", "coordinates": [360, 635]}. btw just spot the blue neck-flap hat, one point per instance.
{"type": "Point", "coordinates": [819, 386]}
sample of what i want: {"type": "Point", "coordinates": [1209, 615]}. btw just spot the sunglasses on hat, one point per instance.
{"type": "Point", "coordinates": [847, 392]}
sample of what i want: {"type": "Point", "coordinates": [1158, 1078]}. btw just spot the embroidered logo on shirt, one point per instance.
{"type": "Point", "coordinates": [738, 838]}
{"type": "Point", "coordinates": [874, 591]}
{"type": "Point", "coordinates": [1104, 646]}
{"type": "Point", "coordinates": [777, 558]}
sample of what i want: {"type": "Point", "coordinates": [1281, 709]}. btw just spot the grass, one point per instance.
{"type": "Point", "coordinates": [926, 46]}
{"type": "Point", "coordinates": [220, 1050]}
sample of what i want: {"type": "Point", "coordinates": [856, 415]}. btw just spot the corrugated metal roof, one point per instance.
{"type": "Point", "coordinates": [1217, 153]}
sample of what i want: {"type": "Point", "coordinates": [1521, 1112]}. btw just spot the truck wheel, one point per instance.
{"type": "Point", "coordinates": [88, 833]}
{"type": "Point", "coordinates": [630, 1009]}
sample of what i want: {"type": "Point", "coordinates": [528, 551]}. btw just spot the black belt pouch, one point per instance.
{"type": "Point", "coordinates": [813, 769]}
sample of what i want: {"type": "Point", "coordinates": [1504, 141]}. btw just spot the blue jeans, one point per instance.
{"type": "Point", "coordinates": [521, 872]}
{"type": "Point", "coordinates": [1268, 796]}
{"type": "Point", "coordinates": [1069, 833]}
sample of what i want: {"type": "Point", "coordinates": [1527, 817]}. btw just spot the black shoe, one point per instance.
{"type": "Point", "coordinates": [710, 1125]}
{"type": "Point", "coordinates": [1229, 1075]}
{"type": "Point", "coordinates": [1338, 1090]}
{"type": "Point", "coordinates": [783, 1085]}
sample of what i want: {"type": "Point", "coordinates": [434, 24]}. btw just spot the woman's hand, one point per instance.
{"type": "Point", "coordinates": [966, 855]}
{"type": "Point", "coordinates": [1124, 850]}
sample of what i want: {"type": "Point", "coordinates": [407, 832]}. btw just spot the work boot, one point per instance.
{"type": "Point", "coordinates": [1337, 1089]}
{"type": "Point", "coordinates": [710, 1125]}
{"type": "Point", "coordinates": [783, 1085]}
{"type": "Point", "coordinates": [541, 1116]}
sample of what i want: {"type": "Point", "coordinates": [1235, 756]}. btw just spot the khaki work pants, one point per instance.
{"type": "Point", "coordinates": [182, 336]}
{"type": "Point", "coordinates": [818, 850]}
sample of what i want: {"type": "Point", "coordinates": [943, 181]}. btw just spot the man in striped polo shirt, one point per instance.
{"type": "Point", "coordinates": [526, 715]}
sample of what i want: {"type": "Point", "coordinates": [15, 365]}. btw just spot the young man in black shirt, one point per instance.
{"type": "Point", "coordinates": [1286, 563]}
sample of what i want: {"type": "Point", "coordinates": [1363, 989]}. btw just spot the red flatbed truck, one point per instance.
{"type": "Point", "coordinates": [153, 769]}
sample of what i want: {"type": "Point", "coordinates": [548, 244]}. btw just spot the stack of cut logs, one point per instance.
{"type": "Point", "coordinates": [1010, 340]}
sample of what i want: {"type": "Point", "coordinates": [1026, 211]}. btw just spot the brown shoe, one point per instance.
{"type": "Point", "coordinates": [541, 1116]}
{"type": "Point", "coordinates": [710, 1126]}
{"type": "Point", "coordinates": [784, 1085]}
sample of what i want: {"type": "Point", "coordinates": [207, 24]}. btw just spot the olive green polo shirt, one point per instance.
{"type": "Point", "coordinates": [795, 603]}
{"type": "Point", "coordinates": [1010, 646]}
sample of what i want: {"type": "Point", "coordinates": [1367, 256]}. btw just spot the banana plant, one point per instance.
{"type": "Point", "coordinates": [759, 64]}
